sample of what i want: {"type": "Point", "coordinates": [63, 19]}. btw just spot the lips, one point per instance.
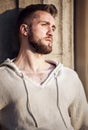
{"type": "Point", "coordinates": [50, 39]}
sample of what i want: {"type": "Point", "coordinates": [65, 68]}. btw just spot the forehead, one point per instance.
{"type": "Point", "coordinates": [43, 16]}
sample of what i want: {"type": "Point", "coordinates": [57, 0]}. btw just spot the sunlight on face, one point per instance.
{"type": "Point", "coordinates": [41, 33]}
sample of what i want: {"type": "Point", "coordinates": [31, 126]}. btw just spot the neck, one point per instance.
{"type": "Point", "coordinates": [27, 60]}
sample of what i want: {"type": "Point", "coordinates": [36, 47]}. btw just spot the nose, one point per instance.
{"type": "Point", "coordinates": [50, 31]}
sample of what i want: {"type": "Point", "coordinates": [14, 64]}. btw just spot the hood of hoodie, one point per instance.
{"type": "Point", "coordinates": [10, 64]}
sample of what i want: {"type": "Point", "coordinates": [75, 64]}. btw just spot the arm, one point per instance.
{"type": "Point", "coordinates": [78, 110]}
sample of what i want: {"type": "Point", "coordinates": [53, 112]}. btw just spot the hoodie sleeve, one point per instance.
{"type": "Point", "coordinates": [4, 96]}
{"type": "Point", "coordinates": [78, 110]}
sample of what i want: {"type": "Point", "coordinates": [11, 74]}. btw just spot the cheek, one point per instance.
{"type": "Point", "coordinates": [39, 33]}
{"type": "Point", "coordinates": [40, 30]}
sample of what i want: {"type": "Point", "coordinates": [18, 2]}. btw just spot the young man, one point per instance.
{"type": "Point", "coordinates": [36, 94]}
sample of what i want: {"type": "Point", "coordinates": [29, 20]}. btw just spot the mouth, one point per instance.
{"type": "Point", "coordinates": [49, 39]}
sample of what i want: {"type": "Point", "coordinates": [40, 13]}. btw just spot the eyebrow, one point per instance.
{"type": "Point", "coordinates": [47, 23]}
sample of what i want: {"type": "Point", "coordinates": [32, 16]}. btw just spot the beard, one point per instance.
{"type": "Point", "coordinates": [38, 45]}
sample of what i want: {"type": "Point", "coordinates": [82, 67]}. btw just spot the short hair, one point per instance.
{"type": "Point", "coordinates": [31, 9]}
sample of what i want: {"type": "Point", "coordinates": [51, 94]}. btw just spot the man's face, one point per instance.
{"type": "Point", "coordinates": [41, 32]}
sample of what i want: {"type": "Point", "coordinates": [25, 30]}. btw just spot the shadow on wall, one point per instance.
{"type": "Point", "coordinates": [9, 45]}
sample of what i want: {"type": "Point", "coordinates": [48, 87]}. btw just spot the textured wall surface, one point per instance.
{"type": "Point", "coordinates": [63, 41]}
{"type": "Point", "coordinates": [81, 41]}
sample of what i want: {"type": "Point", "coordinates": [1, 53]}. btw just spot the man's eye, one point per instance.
{"type": "Point", "coordinates": [43, 24]}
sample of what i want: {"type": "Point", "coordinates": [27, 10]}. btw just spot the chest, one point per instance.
{"type": "Point", "coordinates": [39, 76]}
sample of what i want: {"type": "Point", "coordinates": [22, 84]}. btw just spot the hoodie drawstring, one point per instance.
{"type": "Point", "coordinates": [36, 125]}
{"type": "Point", "coordinates": [57, 88]}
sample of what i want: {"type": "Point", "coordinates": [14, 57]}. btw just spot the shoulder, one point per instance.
{"type": "Point", "coordinates": [6, 74]}
{"type": "Point", "coordinates": [67, 72]}
{"type": "Point", "coordinates": [69, 78]}
{"type": "Point", "coordinates": [70, 84]}
{"type": "Point", "coordinates": [4, 95]}
{"type": "Point", "coordinates": [2, 71]}
{"type": "Point", "coordinates": [4, 78]}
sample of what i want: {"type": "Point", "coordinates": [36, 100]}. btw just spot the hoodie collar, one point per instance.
{"type": "Point", "coordinates": [9, 63]}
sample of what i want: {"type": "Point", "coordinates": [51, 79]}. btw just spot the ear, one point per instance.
{"type": "Point", "coordinates": [24, 29]}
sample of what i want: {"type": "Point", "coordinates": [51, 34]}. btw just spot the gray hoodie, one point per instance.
{"type": "Point", "coordinates": [59, 103]}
